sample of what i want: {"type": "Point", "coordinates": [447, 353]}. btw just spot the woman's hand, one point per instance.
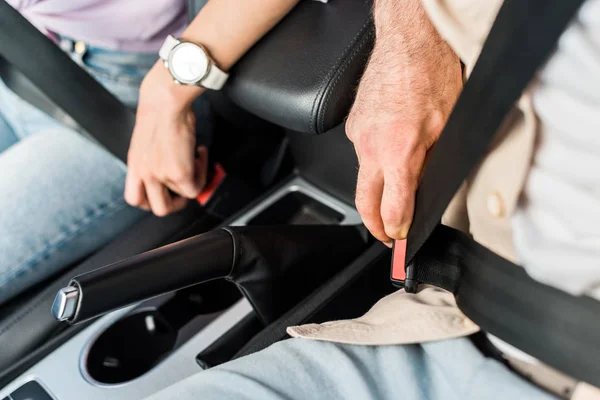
{"type": "Point", "coordinates": [162, 151]}
{"type": "Point", "coordinates": [165, 167]}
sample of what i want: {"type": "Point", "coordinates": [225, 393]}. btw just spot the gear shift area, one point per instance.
{"type": "Point", "coordinates": [273, 266]}
{"type": "Point", "coordinates": [272, 255]}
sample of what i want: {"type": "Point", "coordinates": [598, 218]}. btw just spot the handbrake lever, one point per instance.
{"type": "Point", "coordinates": [274, 267]}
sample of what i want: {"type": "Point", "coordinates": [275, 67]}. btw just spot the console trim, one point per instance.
{"type": "Point", "coordinates": [298, 184]}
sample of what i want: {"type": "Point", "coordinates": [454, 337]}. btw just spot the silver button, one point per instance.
{"type": "Point", "coordinates": [65, 303]}
{"type": "Point", "coordinates": [80, 47]}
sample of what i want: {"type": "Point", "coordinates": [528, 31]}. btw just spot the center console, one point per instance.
{"type": "Point", "coordinates": [315, 58]}
{"type": "Point", "coordinates": [137, 351]}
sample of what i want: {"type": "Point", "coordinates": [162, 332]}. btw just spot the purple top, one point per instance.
{"type": "Point", "coordinates": [128, 25]}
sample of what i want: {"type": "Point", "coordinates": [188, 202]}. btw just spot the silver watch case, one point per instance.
{"type": "Point", "coordinates": [178, 80]}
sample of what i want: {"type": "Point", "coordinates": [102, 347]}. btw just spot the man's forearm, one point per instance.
{"type": "Point", "coordinates": [408, 51]}
{"type": "Point", "coordinates": [403, 32]}
{"type": "Point", "coordinates": [402, 103]}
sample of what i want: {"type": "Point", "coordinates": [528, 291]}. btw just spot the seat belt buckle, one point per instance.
{"type": "Point", "coordinates": [214, 181]}
{"type": "Point", "coordinates": [402, 276]}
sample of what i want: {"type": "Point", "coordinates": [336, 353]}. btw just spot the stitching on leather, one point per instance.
{"type": "Point", "coordinates": [331, 89]}
{"type": "Point", "coordinates": [20, 317]}
{"type": "Point", "coordinates": [236, 246]}
{"type": "Point", "coordinates": [331, 73]}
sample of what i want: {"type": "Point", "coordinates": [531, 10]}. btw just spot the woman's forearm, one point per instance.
{"type": "Point", "coordinates": [164, 157]}
{"type": "Point", "coordinates": [229, 28]}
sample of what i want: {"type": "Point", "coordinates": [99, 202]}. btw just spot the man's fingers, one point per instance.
{"type": "Point", "coordinates": [397, 206]}
{"type": "Point", "coordinates": [135, 193]}
{"type": "Point", "coordinates": [369, 190]}
{"type": "Point", "coordinates": [398, 200]}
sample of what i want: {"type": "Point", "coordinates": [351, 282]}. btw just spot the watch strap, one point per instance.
{"type": "Point", "coordinates": [215, 78]}
{"type": "Point", "coordinates": [168, 45]}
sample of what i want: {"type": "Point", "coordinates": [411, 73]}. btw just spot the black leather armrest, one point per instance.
{"type": "Point", "coordinates": [303, 74]}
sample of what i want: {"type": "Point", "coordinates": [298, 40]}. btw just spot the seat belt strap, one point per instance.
{"type": "Point", "coordinates": [71, 88]}
{"type": "Point", "coordinates": [553, 326]}
{"type": "Point", "coordinates": [523, 36]}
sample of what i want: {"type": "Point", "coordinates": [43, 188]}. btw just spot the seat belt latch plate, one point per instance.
{"type": "Point", "coordinates": [402, 276]}
{"type": "Point", "coordinates": [210, 189]}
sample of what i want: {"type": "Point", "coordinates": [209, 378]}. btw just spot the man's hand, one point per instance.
{"type": "Point", "coordinates": [404, 99]}
{"type": "Point", "coordinates": [165, 167]}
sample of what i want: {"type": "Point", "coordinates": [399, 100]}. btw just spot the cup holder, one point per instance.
{"type": "Point", "coordinates": [140, 340]}
{"type": "Point", "coordinates": [130, 348]}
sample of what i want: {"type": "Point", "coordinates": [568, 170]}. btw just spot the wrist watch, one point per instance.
{"type": "Point", "coordinates": [190, 64]}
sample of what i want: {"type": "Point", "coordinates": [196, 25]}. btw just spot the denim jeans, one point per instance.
{"type": "Point", "coordinates": [299, 369]}
{"type": "Point", "coordinates": [61, 195]}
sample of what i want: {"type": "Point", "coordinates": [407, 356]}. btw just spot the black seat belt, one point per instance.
{"type": "Point", "coordinates": [71, 88]}
{"type": "Point", "coordinates": [553, 326]}
{"type": "Point", "coordinates": [559, 329]}
{"type": "Point", "coordinates": [523, 36]}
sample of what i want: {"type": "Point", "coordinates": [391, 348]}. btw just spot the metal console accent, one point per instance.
{"type": "Point", "coordinates": [351, 216]}
{"type": "Point", "coordinates": [61, 371]}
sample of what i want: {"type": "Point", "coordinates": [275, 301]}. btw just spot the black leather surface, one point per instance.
{"type": "Point", "coordinates": [327, 161]}
{"type": "Point", "coordinates": [274, 267]}
{"type": "Point", "coordinates": [302, 75]}
{"type": "Point", "coordinates": [195, 260]}
{"type": "Point", "coordinates": [349, 294]}
{"type": "Point", "coordinates": [277, 266]}
{"type": "Point", "coordinates": [30, 322]}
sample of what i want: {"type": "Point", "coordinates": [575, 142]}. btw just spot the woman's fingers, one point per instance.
{"type": "Point", "coordinates": [135, 193]}
{"type": "Point", "coordinates": [161, 201]}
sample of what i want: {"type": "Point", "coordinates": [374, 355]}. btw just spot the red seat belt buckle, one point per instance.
{"type": "Point", "coordinates": [398, 271]}
{"type": "Point", "coordinates": [212, 186]}
{"type": "Point", "coordinates": [401, 275]}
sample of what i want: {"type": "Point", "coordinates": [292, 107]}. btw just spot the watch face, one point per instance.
{"type": "Point", "coordinates": [188, 63]}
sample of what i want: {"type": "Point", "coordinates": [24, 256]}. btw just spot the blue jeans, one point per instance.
{"type": "Point", "coordinates": [61, 195]}
{"type": "Point", "coordinates": [305, 369]}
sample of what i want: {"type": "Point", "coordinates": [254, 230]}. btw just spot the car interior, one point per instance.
{"type": "Point", "coordinates": [290, 175]}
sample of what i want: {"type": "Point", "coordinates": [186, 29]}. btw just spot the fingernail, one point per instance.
{"type": "Point", "coordinates": [403, 232]}
{"type": "Point", "coordinates": [388, 244]}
